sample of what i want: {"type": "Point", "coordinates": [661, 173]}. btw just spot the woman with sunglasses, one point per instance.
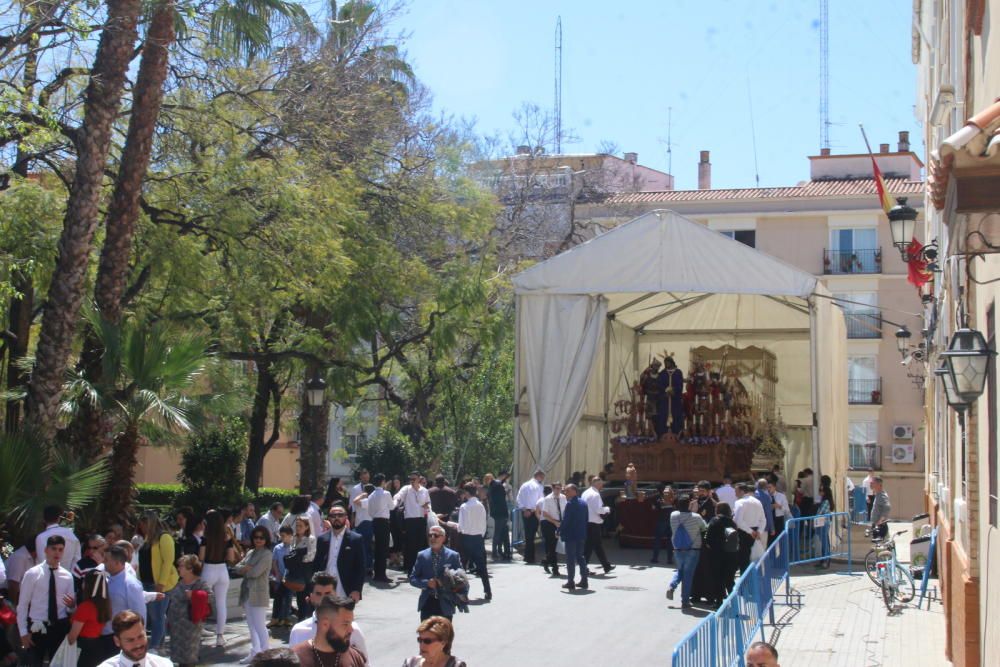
{"type": "Point", "coordinates": [254, 591]}
{"type": "Point", "coordinates": [434, 637]}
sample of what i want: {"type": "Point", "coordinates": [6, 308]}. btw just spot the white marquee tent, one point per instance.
{"type": "Point", "coordinates": [590, 319]}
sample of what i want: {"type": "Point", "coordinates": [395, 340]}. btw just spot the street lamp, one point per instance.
{"type": "Point", "coordinates": [950, 395]}
{"type": "Point", "coordinates": [902, 223]}
{"type": "Point", "coordinates": [315, 391]}
{"type": "Point", "coordinates": [903, 340]}
{"type": "Point", "coordinates": [967, 360]}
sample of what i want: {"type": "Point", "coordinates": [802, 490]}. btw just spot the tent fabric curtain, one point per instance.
{"type": "Point", "coordinates": [557, 376]}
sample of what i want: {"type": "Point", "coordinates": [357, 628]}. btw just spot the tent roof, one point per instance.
{"type": "Point", "coordinates": [662, 251]}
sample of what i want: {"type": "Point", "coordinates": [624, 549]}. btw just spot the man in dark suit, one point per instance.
{"type": "Point", "coordinates": [340, 552]}
{"type": "Point", "coordinates": [427, 572]}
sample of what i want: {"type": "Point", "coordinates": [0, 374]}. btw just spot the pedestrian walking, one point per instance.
{"type": "Point", "coordinates": [415, 502]}
{"type": "Point", "coordinates": [663, 507]}
{"type": "Point", "coordinates": [331, 645]}
{"type": "Point", "coordinates": [573, 531]}
{"type": "Point", "coordinates": [92, 612]}
{"type": "Point", "coordinates": [528, 496]}
{"type": "Point", "coordinates": [496, 494]}
{"type": "Point", "coordinates": [428, 573]}
{"type": "Point", "coordinates": [217, 552]}
{"type": "Point", "coordinates": [552, 513]}
{"type": "Point", "coordinates": [435, 637]}
{"type": "Point", "coordinates": [130, 638]}
{"type": "Point", "coordinates": [44, 604]}
{"type": "Point", "coordinates": [157, 573]}
{"type": "Point", "coordinates": [472, 532]}
{"type": "Point", "coordinates": [186, 611]}
{"type": "Point", "coordinates": [254, 598]}
{"type": "Point", "coordinates": [324, 584]}
{"type": "Point", "coordinates": [595, 522]}
{"type": "Point", "coordinates": [686, 525]}
{"type": "Point", "coordinates": [52, 515]}
{"type": "Point", "coordinates": [281, 611]}
{"type": "Point", "coordinates": [380, 509]}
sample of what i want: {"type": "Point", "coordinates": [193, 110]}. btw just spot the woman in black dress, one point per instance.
{"type": "Point", "coordinates": [721, 553]}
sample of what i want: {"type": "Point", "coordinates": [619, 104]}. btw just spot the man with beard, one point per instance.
{"type": "Point", "coordinates": [324, 585]}
{"type": "Point", "coordinates": [130, 637]}
{"type": "Point", "coordinates": [340, 552]}
{"type": "Point", "coordinates": [331, 646]}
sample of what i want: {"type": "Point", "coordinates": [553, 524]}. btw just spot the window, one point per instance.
{"type": "Point", "coordinates": [853, 250]}
{"type": "Point", "coordinates": [744, 236]}
{"type": "Point", "coordinates": [863, 382]}
{"type": "Point", "coordinates": [862, 436]}
{"type": "Point", "coordinates": [861, 314]}
{"type": "Point", "coordinates": [351, 442]}
{"type": "Point", "coordinates": [991, 406]}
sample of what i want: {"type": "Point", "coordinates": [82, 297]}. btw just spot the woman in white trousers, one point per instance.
{"type": "Point", "coordinates": [254, 595]}
{"type": "Point", "coordinates": [216, 552]}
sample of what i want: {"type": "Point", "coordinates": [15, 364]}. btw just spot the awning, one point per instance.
{"type": "Point", "coordinates": [969, 160]}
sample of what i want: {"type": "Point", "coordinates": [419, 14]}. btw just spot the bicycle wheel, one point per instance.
{"type": "Point", "coordinates": [905, 587]}
{"type": "Point", "coordinates": [888, 593]}
{"type": "Point", "coordinates": [871, 562]}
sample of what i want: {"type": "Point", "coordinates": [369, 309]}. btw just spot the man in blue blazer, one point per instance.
{"type": "Point", "coordinates": [573, 531]}
{"type": "Point", "coordinates": [340, 552]}
{"type": "Point", "coordinates": [428, 569]}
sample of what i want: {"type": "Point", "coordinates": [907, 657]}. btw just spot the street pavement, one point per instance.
{"type": "Point", "coordinates": [843, 622]}
{"type": "Point", "coordinates": [530, 621]}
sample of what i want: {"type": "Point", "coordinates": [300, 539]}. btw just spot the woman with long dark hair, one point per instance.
{"type": "Point", "coordinates": [217, 551]}
{"type": "Point", "coordinates": [254, 597]}
{"type": "Point", "coordinates": [335, 494]}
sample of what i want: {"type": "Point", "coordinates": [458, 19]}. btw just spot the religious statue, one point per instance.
{"type": "Point", "coordinates": [652, 392]}
{"type": "Point", "coordinates": [671, 381]}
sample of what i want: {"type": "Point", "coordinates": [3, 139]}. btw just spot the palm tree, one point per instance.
{"type": "Point", "coordinates": [346, 42]}
{"type": "Point", "coordinates": [62, 308]}
{"type": "Point", "coordinates": [35, 473]}
{"type": "Point", "coordinates": [147, 387]}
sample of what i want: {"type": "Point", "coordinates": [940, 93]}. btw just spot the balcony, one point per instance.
{"type": "Point", "coordinates": [863, 323]}
{"type": "Point", "coordinates": [864, 392]}
{"type": "Point", "coordinates": [840, 262]}
{"type": "Point", "coordinates": [862, 457]}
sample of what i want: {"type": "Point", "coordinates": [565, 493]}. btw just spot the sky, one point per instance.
{"type": "Point", "coordinates": [732, 71]}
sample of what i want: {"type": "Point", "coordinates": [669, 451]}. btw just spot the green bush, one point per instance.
{"type": "Point", "coordinates": [159, 495]}
{"type": "Point", "coordinates": [389, 452]}
{"type": "Point", "coordinates": [212, 467]}
{"type": "Point", "coordinates": [268, 495]}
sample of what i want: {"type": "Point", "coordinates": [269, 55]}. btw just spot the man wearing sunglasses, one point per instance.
{"type": "Point", "coordinates": [340, 552]}
{"type": "Point", "coordinates": [427, 573]}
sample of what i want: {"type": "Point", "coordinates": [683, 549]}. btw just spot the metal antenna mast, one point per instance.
{"type": "Point", "coordinates": [824, 73]}
{"type": "Point", "coordinates": [670, 144]}
{"type": "Point", "coordinates": [557, 107]}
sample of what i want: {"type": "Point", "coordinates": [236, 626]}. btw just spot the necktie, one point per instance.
{"type": "Point", "coordinates": [559, 508]}
{"type": "Point", "coordinates": [53, 609]}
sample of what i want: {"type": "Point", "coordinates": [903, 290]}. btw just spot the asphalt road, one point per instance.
{"type": "Point", "coordinates": [624, 619]}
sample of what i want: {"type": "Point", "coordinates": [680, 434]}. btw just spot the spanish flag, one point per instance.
{"type": "Point", "coordinates": [883, 194]}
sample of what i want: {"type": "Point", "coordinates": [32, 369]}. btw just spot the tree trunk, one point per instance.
{"type": "Point", "coordinates": [62, 309]}
{"type": "Point", "coordinates": [19, 314]}
{"type": "Point", "coordinates": [123, 212]}
{"type": "Point", "coordinates": [267, 392]}
{"type": "Point", "coordinates": [314, 423]}
{"type": "Point", "coordinates": [116, 506]}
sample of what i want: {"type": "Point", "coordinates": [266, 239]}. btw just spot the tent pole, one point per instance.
{"type": "Point", "coordinates": [516, 466]}
{"type": "Point", "coordinates": [607, 392]}
{"type": "Point", "coordinates": [814, 395]}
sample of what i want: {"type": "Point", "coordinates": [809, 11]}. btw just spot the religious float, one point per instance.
{"type": "Point", "coordinates": [677, 428]}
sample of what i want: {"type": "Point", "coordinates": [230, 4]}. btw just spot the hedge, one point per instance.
{"type": "Point", "coordinates": [163, 495]}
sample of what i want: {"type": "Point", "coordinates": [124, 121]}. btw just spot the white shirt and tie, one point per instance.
{"type": "Point", "coordinates": [472, 518]}
{"type": "Point", "coordinates": [595, 505]}
{"type": "Point", "coordinates": [33, 604]}
{"type": "Point", "coordinates": [552, 507]}
{"type": "Point", "coordinates": [782, 509]}
{"type": "Point", "coordinates": [71, 553]}
{"type": "Point", "coordinates": [749, 515]}
{"type": "Point", "coordinates": [336, 540]}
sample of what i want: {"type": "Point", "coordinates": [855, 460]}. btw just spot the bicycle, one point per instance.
{"type": "Point", "coordinates": [871, 558]}
{"type": "Point", "coordinates": [895, 580]}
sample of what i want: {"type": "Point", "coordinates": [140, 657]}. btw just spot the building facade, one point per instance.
{"type": "Point", "coordinates": [832, 226]}
{"type": "Point", "coordinates": [956, 48]}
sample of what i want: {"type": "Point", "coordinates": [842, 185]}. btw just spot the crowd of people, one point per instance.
{"type": "Point", "coordinates": [308, 566]}
{"type": "Point", "coordinates": [117, 601]}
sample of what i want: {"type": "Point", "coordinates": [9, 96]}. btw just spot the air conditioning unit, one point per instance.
{"type": "Point", "coordinates": [902, 432]}
{"type": "Point", "coordinates": [902, 453]}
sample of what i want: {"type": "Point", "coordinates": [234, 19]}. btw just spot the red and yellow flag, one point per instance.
{"type": "Point", "coordinates": [917, 273]}
{"type": "Point", "coordinates": [883, 194]}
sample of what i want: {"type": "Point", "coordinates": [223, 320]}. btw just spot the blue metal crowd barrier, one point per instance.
{"type": "Point", "coordinates": [722, 638]}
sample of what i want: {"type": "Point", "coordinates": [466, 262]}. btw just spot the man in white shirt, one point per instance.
{"type": "Point", "coordinates": [51, 514]}
{"type": "Point", "coordinates": [316, 527]}
{"type": "Point", "coordinates": [130, 637]}
{"type": "Point", "coordinates": [781, 510]}
{"type": "Point", "coordinates": [43, 608]}
{"type": "Point", "coordinates": [866, 484]}
{"type": "Point", "coordinates": [726, 493]}
{"type": "Point", "coordinates": [751, 522]}
{"type": "Point", "coordinates": [415, 501]}
{"type": "Point", "coordinates": [363, 525]}
{"type": "Point", "coordinates": [552, 513]}
{"type": "Point", "coordinates": [323, 584]}
{"type": "Point", "coordinates": [359, 488]}
{"type": "Point", "coordinates": [527, 498]}
{"type": "Point", "coordinates": [22, 560]}
{"type": "Point", "coordinates": [380, 504]}
{"type": "Point", "coordinates": [595, 521]}
{"type": "Point", "coordinates": [472, 529]}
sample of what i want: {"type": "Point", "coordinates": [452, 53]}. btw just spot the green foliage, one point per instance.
{"type": "Point", "coordinates": [30, 218]}
{"type": "Point", "coordinates": [388, 452]}
{"type": "Point", "coordinates": [158, 495]}
{"type": "Point", "coordinates": [268, 495]}
{"type": "Point", "coordinates": [35, 473]}
{"type": "Point", "coordinates": [173, 496]}
{"type": "Point", "coordinates": [212, 466]}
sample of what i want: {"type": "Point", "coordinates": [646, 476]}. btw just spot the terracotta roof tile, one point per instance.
{"type": "Point", "coordinates": [831, 188]}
